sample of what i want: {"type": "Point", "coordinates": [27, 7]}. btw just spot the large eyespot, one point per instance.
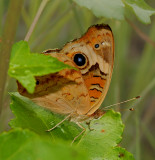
{"type": "Point", "coordinates": [80, 59]}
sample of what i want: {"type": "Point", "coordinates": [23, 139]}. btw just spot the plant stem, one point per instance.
{"type": "Point", "coordinates": [56, 27]}
{"type": "Point", "coordinates": [148, 135]}
{"type": "Point", "coordinates": [145, 64]}
{"type": "Point", "coordinates": [41, 8]}
{"type": "Point", "coordinates": [1, 16]}
{"type": "Point", "coordinates": [8, 36]}
{"type": "Point", "coordinates": [77, 18]}
{"type": "Point", "coordinates": [140, 33]}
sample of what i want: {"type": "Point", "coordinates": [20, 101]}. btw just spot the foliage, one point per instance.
{"type": "Point", "coordinates": [134, 71]}
{"type": "Point", "coordinates": [20, 144]}
{"type": "Point", "coordinates": [117, 9]}
{"type": "Point", "coordinates": [24, 65]}
{"type": "Point", "coordinates": [104, 133]}
{"type": "Point", "coordinates": [29, 115]}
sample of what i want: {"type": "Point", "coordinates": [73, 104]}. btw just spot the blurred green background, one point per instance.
{"type": "Point", "coordinates": [134, 68]}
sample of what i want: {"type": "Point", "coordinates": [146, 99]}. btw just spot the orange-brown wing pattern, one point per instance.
{"type": "Point", "coordinates": [83, 91]}
{"type": "Point", "coordinates": [63, 92]}
{"type": "Point", "coordinates": [97, 47]}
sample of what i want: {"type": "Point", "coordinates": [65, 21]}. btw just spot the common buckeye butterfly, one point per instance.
{"type": "Point", "coordinates": [78, 93]}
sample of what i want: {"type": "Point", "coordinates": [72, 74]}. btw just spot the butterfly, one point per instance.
{"type": "Point", "coordinates": [78, 93]}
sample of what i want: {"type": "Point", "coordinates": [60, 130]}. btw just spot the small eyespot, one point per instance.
{"type": "Point", "coordinates": [79, 59]}
{"type": "Point", "coordinates": [97, 45]}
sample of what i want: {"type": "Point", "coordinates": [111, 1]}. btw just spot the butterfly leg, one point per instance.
{"type": "Point", "coordinates": [79, 133]}
{"type": "Point", "coordinates": [88, 123]}
{"type": "Point", "coordinates": [59, 123]}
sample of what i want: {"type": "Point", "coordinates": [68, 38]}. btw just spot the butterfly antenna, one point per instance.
{"type": "Point", "coordinates": [122, 102]}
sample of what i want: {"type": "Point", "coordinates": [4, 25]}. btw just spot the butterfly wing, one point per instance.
{"type": "Point", "coordinates": [63, 92]}
{"type": "Point", "coordinates": [97, 46]}
{"type": "Point", "coordinates": [78, 91]}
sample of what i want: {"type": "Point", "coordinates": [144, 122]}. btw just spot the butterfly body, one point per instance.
{"type": "Point", "coordinates": [78, 92]}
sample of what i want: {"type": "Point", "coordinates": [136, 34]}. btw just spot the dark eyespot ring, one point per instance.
{"type": "Point", "coordinates": [79, 59]}
{"type": "Point", "coordinates": [97, 45]}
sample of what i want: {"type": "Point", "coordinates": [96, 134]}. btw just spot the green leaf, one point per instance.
{"type": "Point", "coordinates": [141, 9]}
{"type": "Point", "coordinates": [122, 154]}
{"type": "Point", "coordinates": [100, 142]}
{"type": "Point", "coordinates": [24, 66]}
{"type": "Point", "coordinates": [18, 48]}
{"type": "Point", "coordinates": [37, 119]}
{"type": "Point", "coordinates": [116, 8]}
{"type": "Point", "coordinates": [23, 144]}
{"type": "Point", "coordinates": [104, 8]}
{"type": "Point", "coordinates": [105, 135]}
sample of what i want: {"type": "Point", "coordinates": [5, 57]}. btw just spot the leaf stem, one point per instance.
{"type": "Point", "coordinates": [40, 10]}
{"type": "Point", "coordinates": [140, 33]}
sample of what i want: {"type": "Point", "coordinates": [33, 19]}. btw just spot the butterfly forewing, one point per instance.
{"type": "Point", "coordinates": [97, 46]}
{"type": "Point", "coordinates": [82, 91]}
